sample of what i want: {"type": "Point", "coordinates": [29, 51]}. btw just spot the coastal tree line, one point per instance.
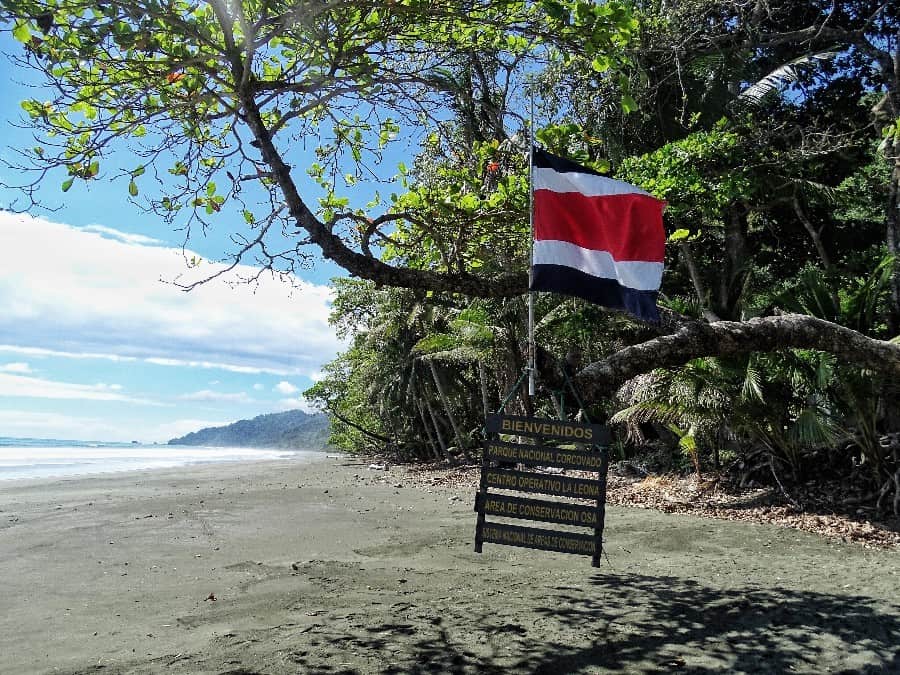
{"type": "Point", "coordinates": [771, 128]}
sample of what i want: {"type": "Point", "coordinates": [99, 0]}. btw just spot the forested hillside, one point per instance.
{"type": "Point", "coordinates": [293, 429]}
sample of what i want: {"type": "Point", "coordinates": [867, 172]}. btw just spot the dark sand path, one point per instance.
{"type": "Point", "coordinates": [332, 568]}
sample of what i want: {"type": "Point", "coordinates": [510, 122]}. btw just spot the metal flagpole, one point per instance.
{"type": "Point", "coordinates": [531, 348]}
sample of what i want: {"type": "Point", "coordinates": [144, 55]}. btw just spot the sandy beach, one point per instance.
{"type": "Point", "coordinates": [330, 567]}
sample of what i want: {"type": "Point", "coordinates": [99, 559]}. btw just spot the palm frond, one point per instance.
{"type": "Point", "coordinates": [812, 429]}
{"type": "Point", "coordinates": [460, 354]}
{"type": "Point", "coordinates": [812, 295]}
{"type": "Point", "coordinates": [782, 76]}
{"type": "Point", "coordinates": [813, 190]}
{"type": "Point", "coordinates": [751, 388]}
{"type": "Point", "coordinates": [862, 302]}
{"type": "Point", "coordinates": [647, 411]}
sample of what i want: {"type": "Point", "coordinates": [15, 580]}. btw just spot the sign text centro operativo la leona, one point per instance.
{"type": "Point", "coordinates": [583, 450]}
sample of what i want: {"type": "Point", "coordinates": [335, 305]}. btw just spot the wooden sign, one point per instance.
{"type": "Point", "coordinates": [533, 537]}
{"type": "Point", "coordinates": [531, 427]}
{"type": "Point", "coordinates": [563, 513]}
{"type": "Point", "coordinates": [536, 455]}
{"type": "Point", "coordinates": [589, 456]}
{"type": "Point", "coordinates": [545, 483]}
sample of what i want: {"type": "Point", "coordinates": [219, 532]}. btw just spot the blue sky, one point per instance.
{"type": "Point", "coordinates": [96, 345]}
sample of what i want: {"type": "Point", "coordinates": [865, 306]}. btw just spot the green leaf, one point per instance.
{"type": "Point", "coordinates": [469, 203]}
{"type": "Point", "coordinates": [601, 63]}
{"type": "Point", "coordinates": [628, 104]}
{"type": "Point", "coordinates": [555, 10]}
{"type": "Point", "coordinates": [67, 184]}
{"type": "Point", "coordinates": [21, 32]}
{"type": "Point", "coordinates": [138, 171]}
{"type": "Point", "coordinates": [679, 234]}
{"type": "Point", "coordinates": [133, 189]}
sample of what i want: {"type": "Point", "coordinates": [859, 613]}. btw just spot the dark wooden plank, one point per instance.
{"type": "Point", "coordinates": [563, 513]}
{"type": "Point", "coordinates": [538, 455]}
{"type": "Point", "coordinates": [482, 490]}
{"type": "Point", "coordinates": [601, 512]}
{"type": "Point", "coordinates": [534, 427]}
{"type": "Point", "coordinates": [544, 540]}
{"type": "Point", "coordinates": [548, 484]}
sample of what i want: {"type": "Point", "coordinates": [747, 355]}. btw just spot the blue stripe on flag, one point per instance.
{"type": "Point", "coordinates": [544, 160]}
{"type": "Point", "coordinates": [606, 292]}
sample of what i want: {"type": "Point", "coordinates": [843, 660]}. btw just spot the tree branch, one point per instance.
{"type": "Point", "coordinates": [359, 264]}
{"type": "Point", "coordinates": [731, 338]}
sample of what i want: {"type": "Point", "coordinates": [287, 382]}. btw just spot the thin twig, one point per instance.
{"type": "Point", "coordinates": [780, 486]}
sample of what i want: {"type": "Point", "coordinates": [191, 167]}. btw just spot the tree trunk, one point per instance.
{"type": "Point", "coordinates": [482, 379]}
{"type": "Point", "coordinates": [731, 286]}
{"type": "Point", "coordinates": [699, 287]}
{"type": "Point", "coordinates": [440, 388]}
{"type": "Point", "coordinates": [431, 442]}
{"type": "Point", "coordinates": [814, 234]}
{"type": "Point", "coordinates": [437, 429]}
{"type": "Point", "coordinates": [362, 430]}
{"type": "Point", "coordinates": [518, 365]}
{"type": "Point", "coordinates": [892, 234]}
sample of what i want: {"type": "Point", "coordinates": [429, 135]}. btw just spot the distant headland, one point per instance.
{"type": "Point", "coordinates": [293, 429]}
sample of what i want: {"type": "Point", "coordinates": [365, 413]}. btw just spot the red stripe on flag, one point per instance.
{"type": "Point", "coordinates": [628, 226]}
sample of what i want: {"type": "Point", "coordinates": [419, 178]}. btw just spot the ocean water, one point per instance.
{"type": "Point", "coordinates": [50, 458]}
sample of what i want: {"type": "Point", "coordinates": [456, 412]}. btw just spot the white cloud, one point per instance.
{"type": "Point", "coordinates": [124, 237]}
{"type": "Point", "coordinates": [258, 387]}
{"type": "Point", "coordinates": [297, 403]}
{"type": "Point", "coordinates": [286, 388]}
{"type": "Point", "coordinates": [31, 424]}
{"type": "Point", "coordinates": [217, 396]}
{"type": "Point", "coordinates": [116, 358]}
{"type": "Point", "coordinates": [246, 370]}
{"type": "Point", "coordinates": [17, 367]}
{"type": "Point", "coordinates": [21, 386]}
{"type": "Point", "coordinates": [39, 351]}
{"type": "Point", "coordinates": [111, 387]}
{"type": "Point", "coordinates": [94, 294]}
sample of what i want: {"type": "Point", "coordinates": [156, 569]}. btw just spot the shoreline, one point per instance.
{"type": "Point", "coordinates": [61, 461]}
{"type": "Point", "coordinates": [330, 567]}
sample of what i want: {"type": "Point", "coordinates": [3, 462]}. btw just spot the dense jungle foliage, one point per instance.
{"type": "Point", "coordinates": [775, 155]}
{"type": "Point", "coordinates": [771, 128]}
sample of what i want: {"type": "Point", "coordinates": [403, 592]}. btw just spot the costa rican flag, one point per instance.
{"type": "Point", "coordinates": [596, 238]}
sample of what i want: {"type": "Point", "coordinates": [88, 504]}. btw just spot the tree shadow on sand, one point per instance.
{"type": "Point", "coordinates": [630, 623]}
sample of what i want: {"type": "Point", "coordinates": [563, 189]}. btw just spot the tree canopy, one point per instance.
{"type": "Point", "coordinates": [214, 95]}
{"type": "Point", "coordinates": [771, 128]}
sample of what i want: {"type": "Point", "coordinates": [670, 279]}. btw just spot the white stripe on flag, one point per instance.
{"type": "Point", "coordinates": [587, 184]}
{"type": "Point", "coordinates": [639, 275]}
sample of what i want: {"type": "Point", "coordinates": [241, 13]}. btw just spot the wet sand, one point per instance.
{"type": "Point", "coordinates": [334, 568]}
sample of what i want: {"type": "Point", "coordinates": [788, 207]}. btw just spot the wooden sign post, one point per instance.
{"type": "Point", "coordinates": [591, 455]}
